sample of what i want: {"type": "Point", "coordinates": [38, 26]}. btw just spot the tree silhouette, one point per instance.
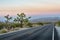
{"type": "Point", "coordinates": [21, 18]}
{"type": "Point", "coordinates": [7, 20]}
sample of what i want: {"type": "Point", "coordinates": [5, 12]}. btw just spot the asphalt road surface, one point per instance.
{"type": "Point", "coordinates": [37, 33]}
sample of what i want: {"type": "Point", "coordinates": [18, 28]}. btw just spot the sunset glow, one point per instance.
{"type": "Point", "coordinates": [29, 7]}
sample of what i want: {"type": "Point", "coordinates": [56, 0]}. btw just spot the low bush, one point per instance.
{"type": "Point", "coordinates": [3, 31]}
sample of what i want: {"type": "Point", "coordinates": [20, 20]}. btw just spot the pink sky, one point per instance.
{"type": "Point", "coordinates": [31, 8]}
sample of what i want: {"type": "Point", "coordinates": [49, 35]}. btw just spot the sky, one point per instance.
{"type": "Point", "coordinates": [40, 8]}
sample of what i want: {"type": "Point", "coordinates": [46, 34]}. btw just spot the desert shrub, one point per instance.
{"type": "Point", "coordinates": [40, 23]}
{"type": "Point", "coordinates": [17, 24]}
{"type": "Point", "coordinates": [58, 23]}
{"type": "Point", "coordinates": [14, 25]}
{"type": "Point", "coordinates": [1, 26]}
{"type": "Point", "coordinates": [3, 31]}
{"type": "Point", "coordinates": [30, 24]}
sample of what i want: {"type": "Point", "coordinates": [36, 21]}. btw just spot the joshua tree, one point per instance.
{"type": "Point", "coordinates": [15, 20]}
{"type": "Point", "coordinates": [7, 20]}
{"type": "Point", "coordinates": [21, 18]}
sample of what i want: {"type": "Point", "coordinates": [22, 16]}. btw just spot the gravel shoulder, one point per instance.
{"type": "Point", "coordinates": [15, 30]}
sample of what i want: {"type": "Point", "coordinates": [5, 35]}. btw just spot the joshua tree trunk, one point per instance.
{"type": "Point", "coordinates": [21, 24]}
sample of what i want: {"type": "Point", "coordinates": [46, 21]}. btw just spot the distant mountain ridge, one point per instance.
{"type": "Point", "coordinates": [43, 19]}
{"type": "Point", "coordinates": [47, 19]}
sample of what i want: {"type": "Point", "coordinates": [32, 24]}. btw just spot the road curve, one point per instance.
{"type": "Point", "coordinates": [37, 33]}
{"type": "Point", "coordinates": [18, 33]}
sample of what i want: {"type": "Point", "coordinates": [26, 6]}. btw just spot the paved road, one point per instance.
{"type": "Point", "coordinates": [37, 33]}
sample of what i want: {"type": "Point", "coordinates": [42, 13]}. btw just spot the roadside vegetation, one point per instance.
{"type": "Point", "coordinates": [21, 21]}
{"type": "Point", "coordinates": [58, 23]}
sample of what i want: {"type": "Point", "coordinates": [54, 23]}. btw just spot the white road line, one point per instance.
{"type": "Point", "coordinates": [53, 34]}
